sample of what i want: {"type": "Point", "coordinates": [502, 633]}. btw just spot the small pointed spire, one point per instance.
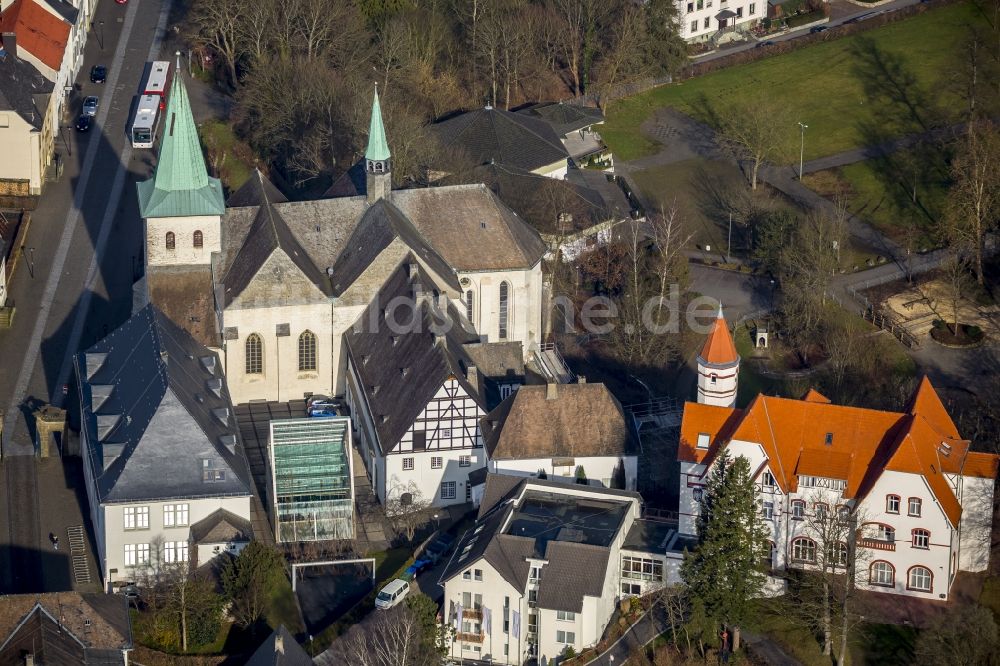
{"type": "Point", "coordinates": [378, 148]}
{"type": "Point", "coordinates": [720, 316]}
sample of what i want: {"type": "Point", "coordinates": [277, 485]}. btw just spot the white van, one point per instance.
{"type": "Point", "coordinates": [392, 594]}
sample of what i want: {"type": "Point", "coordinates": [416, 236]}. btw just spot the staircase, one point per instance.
{"type": "Point", "coordinates": [78, 554]}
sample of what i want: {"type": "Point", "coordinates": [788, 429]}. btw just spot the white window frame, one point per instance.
{"type": "Point", "coordinates": [910, 502]}
{"type": "Point", "coordinates": [566, 616]}
{"type": "Point", "coordinates": [449, 490]}
{"type": "Point", "coordinates": [566, 637]}
{"type": "Point", "coordinates": [465, 461]}
{"type": "Point", "coordinates": [437, 462]}
{"type": "Point", "coordinates": [136, 518]}
{"type": "Point", "coordinates": [918, 588]}
{"type": "Point", "coordinates": [407, 464]}
{"type": "Point", "coordinates": [176, 515]}
{"type": "Point", "coordinates": [877, 571]}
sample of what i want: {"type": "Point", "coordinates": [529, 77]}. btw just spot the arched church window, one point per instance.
{"type": "Point", "coordinates": [254, 355]}
{"type": "Point", "coordinates": [199, 239]}
{"type": "Point", "coordinates": [307, 351]}
{"type": "Point", "coordinates": [171, 240]}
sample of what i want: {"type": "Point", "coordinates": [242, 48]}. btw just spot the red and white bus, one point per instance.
{"type": "Point", "coordinates": [158, 81]}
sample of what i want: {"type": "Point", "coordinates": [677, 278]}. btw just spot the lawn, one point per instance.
{"type": "Point", "coordinates": [882, 195]}
{"type": "Point", "coordinates": [228, 158]}
{"type": "Point", "coordinates": [818, 85]}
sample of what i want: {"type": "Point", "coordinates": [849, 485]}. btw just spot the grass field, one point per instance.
{"type": "Point", "coordinates": [884, 200]}
{"type": "Point", "coordinates": [822, 86]}
{"type": "Point", "coordinates": [227, 156]}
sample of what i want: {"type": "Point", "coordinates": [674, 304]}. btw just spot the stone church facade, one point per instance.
{"type": "Point", "coordinates": [273, 285]}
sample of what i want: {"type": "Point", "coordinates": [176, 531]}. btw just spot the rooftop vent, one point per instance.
{"type": "Point", "coordinates": [221, 415]}
{"type": "Point", "coordinates": [945, 449]}
{"type": "Point", "coordinates": [164, 356]}
{"type": "Point", "coordinates": [375, 388]}
{"type": "Point", "coordinates": [199, 398]}
{"type": "Point", "coordinates": [404, 371]}
{"type": "Point", "coordinates": [215, 386]}
{"type": "Point", "coordinates": [208, 362]}
{"type": "Point", "coordinates": [385, 418]}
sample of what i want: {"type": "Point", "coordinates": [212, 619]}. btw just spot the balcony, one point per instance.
{"type": "Point", "coordinates": [472, 613]}
{"type": "Point", "coordinates": [877, 544]}
{"type": "Point", "coordinates": [469, 638]}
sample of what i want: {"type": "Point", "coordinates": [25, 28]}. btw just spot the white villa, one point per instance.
{"type": "Point", "coordinates": [923, 499]}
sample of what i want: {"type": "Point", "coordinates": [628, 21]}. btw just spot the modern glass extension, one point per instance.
{"type": "Point", "coordinates": [311, 482]}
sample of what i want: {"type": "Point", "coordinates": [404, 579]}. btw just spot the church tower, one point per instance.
{"type": "Point", "coordinates": [718, 366]}
{"type": "Point", "coordinates": [181, 205]}
{"type": "Point", "coordinates": [378, 175]}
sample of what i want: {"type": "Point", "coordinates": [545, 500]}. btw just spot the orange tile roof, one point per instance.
{"type": "Point", "coordinates": [719, 348]}
{"type": "Point", "coordinates": [812, 395]}
{"type": "Point", "coordinates": [983, 465]}
{"type": "Point", "coordinates": [927, 404]}
{"type": "Point", "coordinates": [862, 442]}
{"type": "Point", "coordinates": [38, 32]}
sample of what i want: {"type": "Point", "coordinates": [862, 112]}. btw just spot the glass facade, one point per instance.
{"type": "Point", "coordinates": [311, 484]}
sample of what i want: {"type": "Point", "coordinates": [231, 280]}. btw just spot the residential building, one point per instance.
{"type": "Point", "coordinates": [575, 127]}
{"type": "Point", "coordinates": [219, 532]}
{"type": "Point", "coordinates": [160, 447]}
{"type": "Point", "coordinates": [48, 37]}
{"type": "Point", "coordinates": [415, 395]}
{"type": "Point", "coordinates": [563, 430]}
{"type": "Point", "coordinates": [701, 20]}
{"type": "Point", "coordinates": [275, 284]}
{"type": "Point", "coordinates": [544, 566]}
{"type": "Point", "coordinates": [918, 498]}
{"type": "Point", "coordinates": [65, 629]}
{"type": "Point", "coordinates": [310, 480]}
{"type": "Point", "coordinates": [512, 140]}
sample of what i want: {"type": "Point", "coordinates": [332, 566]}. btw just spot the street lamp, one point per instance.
{"type": "Point", "coordinates": [100, 34]}
{"type": "Point", "coordinates": [729, 242]}
{"type": "Point", "coordinates": [30, 259]}
{"type": "Point", "coordinates": [802, 146]}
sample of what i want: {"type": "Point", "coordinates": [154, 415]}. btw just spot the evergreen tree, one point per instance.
{"type": "Point", "coordinates": [725, 571]}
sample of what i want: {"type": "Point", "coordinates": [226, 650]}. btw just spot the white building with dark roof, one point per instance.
{"type": "Point", "coordinates": [563, 430]}
{"type": "Point", "coordinates": [160, 447]}
{"type": "Point", "coordinates": [544, 566]}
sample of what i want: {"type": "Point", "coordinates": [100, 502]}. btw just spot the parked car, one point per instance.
{"type": "Point", "coordinates": [439, 548]}
{"type": "Point", "coordinates": [90, 105]}
{"type": "Point", "coordinates": [83, 123]}
{"type": "Point", "coordinates": [98, 74]}
{"type": "Point", "coordinates": [392, 594]}
{"type": "Point", "coordinates": [320, 409]}
{"type": "Point", "coordinates": [763, 44]}
{"type": "Point", "coordinates": [418, 567]}
{"type": "Point", "coordinates": [818, 28]}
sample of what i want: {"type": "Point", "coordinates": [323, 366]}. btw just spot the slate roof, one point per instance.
{"type": "Point", "coordinates": [564, 118]}
{"type": "Point", "coordinates": [64, 628]}
{"type": "Point", "coordinates": [221, 526]}
{"type": "Point", "coordinates": [37, 31]}
{"type": "Point", "coordinates": [380, 354]}
{"type": "Point", "coordinates": [280, 649]}
{"type": "Point", "coordinates": [269, 233]}
{"type": "Point", "coordinates": [512, 139]}
{"type": "Point", "coordinates": [517, 521]}
{"type": "Point", "coordinates": [255, 192]}
{"type": "Point", "coordinates": [23, 90]}
{"type": "Point", "coordinates": [180, 186]}
{"type": "Point", "coordinates": [581, 420]}
{"type": "Point", "coordinates": [380, 225]}
{"type": "Point", "coordinates": [157, 412]}
{"type": "Point", "coordinates": [64, 9]}
{"type": "Point", "coordinates": [862, 442]}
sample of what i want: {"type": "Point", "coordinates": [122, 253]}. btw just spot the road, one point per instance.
{"type": "Point", "coordinates": [846, 13]}
{"type": "Point", "coordinates": [87, 239]}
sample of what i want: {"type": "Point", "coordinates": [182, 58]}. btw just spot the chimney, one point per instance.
{"type": "Point", "coordinates": [279, 644]}
{"type": "Point", "coordinates": [10, 46]}
{"type": "Point", "coordinates": [442, 302]}
{"type": "Point", "coordinates": [29, 659]}
{"type": "Point", "coordinates": [472, 374]}
{"type": "Point", "coordinates": [581, 379]}
{"type": "Point", "coordinates": [551, 390]}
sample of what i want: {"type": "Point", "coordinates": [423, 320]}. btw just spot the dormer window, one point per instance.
{"type": "Point", "coordinates": [210, 473]}
{"type": "Point", "coordinates": [703, 440]}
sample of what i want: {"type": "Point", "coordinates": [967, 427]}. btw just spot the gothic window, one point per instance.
{"type": "Point", "coordinates": [307, 351]}
{"type": "Point", "coordinates": [469, 302]}
{"type": "Point", "coordinates": [199, 239]}
{"type": "Point", "coordinates": [171, 241]}
{"type": "Point", "coordinates": [255, 356]}
{"type": "Point", "coordinates": [504, 309]}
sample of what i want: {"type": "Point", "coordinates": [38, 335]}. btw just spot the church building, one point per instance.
{"type": "Point", "coordinates": [273, 285]}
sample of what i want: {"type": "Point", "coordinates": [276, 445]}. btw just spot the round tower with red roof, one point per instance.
{"type": "Point", "coordinates": [718, 366]}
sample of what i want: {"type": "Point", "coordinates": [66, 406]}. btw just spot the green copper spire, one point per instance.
{"type": "Point", "coordinates": [378, 149]}
{"type": "Point", "coordinates": [180, 186]}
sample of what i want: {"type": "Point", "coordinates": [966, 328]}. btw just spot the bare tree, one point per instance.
{"type": "Point", "coordinates": [975, 196]}
{"type": "Point", "coordinates": [955, 273]}
{"type": "Point", "coordinates": [388, 638]}
{"type": "Point", "coordinates": [756, 132]}
{"type": "Point", "coordinates": [407, 508]}
{"type": "Point", "coordinates": [219, 25]}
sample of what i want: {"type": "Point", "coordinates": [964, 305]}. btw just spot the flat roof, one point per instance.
{"type": "Point", "coordinates": [548, 516]}
{"type": "Point", "coordinates": [650, 536]}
